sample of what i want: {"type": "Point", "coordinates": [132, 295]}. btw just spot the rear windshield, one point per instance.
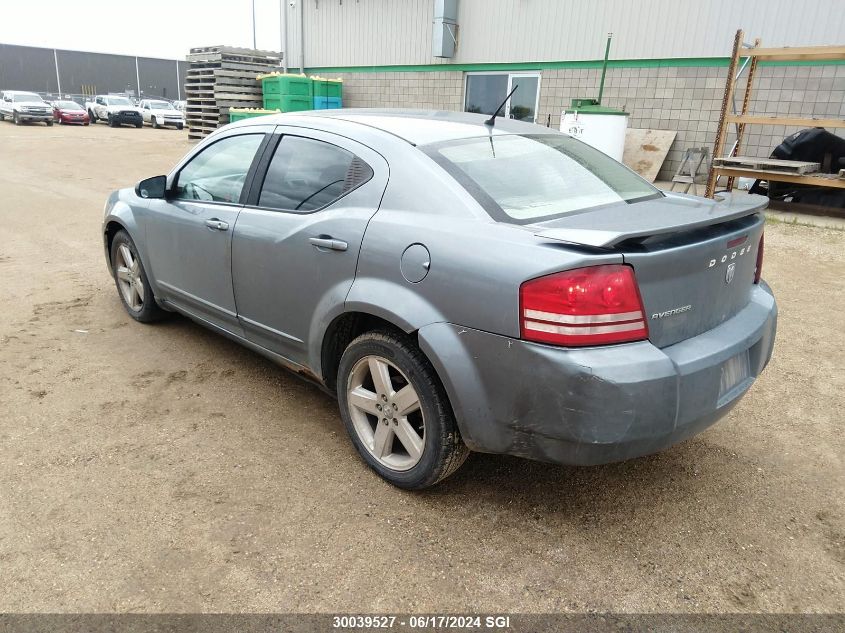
{"type": "Point", "coordinates": [530, 178]}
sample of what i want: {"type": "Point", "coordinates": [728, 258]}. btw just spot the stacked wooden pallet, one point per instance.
{"type": "Point", "coordinates": [223, 77]}
{"type": "Point", "coordinates": [772, 164]}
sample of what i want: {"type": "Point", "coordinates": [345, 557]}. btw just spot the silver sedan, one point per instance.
{"type": "Point", "coordinates": [459, 283]}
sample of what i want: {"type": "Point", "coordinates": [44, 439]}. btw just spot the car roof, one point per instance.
{"type": "Point", "coordinates": [418, 127]}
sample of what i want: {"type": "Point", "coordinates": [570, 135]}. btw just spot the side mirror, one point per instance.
{"type": "Point", "coordinates": [155, 187]}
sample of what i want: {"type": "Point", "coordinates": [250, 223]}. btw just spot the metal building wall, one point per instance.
{"type": "Point", "coordinates": [27, 68]}
{"type": "Point", "coordinates": [101, 72]}
{"type": "Point", "coordinates": [391, 32]}
{"type": "Point", "coordinates": [31, 68]}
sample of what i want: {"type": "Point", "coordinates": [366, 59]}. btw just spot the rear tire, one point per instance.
{"type": "Point", "coordinates": [391, 398]}
{"type": "Point", "coordinates": [131, 281]}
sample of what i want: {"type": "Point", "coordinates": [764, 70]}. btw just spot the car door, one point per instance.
{"type": "Point", "coordinates": [189, 234]}
{"type": "Point", "coordinates": [296, 242]}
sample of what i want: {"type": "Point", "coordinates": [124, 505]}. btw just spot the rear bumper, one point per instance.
{"type": "Point", "coordinates": [594, 405]}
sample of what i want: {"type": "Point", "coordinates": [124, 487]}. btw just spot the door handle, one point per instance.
{"type": "Point", "coordinates": [329, 243]}
{"type": "Point", "coordinates": [217, 225]}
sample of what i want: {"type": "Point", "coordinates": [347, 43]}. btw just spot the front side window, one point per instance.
{"type": "Point", "coordinates": [306, 175]}
{"type": "Point", "coordinates": [531, 178]}
{"type": "Point", "coordinates": [218, 173]}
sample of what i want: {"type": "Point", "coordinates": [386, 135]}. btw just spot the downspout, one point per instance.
{"type": "Point", "coordinates": [301, 37]}
{"type": "Point", "coordinates": [283, 28]}
{"type": "Point", "coordinates": [178, 82]}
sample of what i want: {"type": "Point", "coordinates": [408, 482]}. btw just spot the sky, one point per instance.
{"type": "Point", "coordinates": [152, 28]}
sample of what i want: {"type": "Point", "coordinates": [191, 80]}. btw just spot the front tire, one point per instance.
{"type": "Point", "coordinates": [91, 116]}
{"type": "Point", "coordinates": [16, 118]}
{"type": "Point", "coordinates": [396, 411]}
{"type": "Point", "coordinates": [133, 287]}
{"type": "Point", "coordinates": [154, 123]}
{"type": "Point", "coordinates": [50, 123]}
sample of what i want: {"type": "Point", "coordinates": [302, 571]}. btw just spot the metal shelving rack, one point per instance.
{"type": "Point", "coordinates": [751, 54]}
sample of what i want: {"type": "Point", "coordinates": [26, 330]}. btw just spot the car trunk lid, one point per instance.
{"type": "Point", "coordinates": [694, 258]}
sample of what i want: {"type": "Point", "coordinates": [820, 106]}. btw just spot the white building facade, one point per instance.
{"type": "Point", "coordinates": [668, 58]}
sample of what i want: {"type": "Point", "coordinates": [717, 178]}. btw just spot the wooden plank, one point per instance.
{"type": "Point", "coordinates": [797, 53]}
{"type": "Point", "coordinates": [646, 150]}
{"type": "Point", "coordinates": [773, 164]}
{"type": "Point", "coordinates": [727, 99]}
{"type": "Point", "coordinates": [235, 50]}
{"type": "Point", "coordinates": [235, 96]}
{"type": "Point", "coordinates": [788, 121]}
{"type": "Point", "coordinates": [818, 180]}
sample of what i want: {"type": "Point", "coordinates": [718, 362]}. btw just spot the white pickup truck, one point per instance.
{"type": "Point", "coordinates": [24, 106]}
{"type": "Point", "coordinates": [116, 110]}
{"type": "Point", "coordinates": [159, 113]}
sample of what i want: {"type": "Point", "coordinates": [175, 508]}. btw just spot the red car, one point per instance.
{"type": "Point", "coordinates": [69, 112]}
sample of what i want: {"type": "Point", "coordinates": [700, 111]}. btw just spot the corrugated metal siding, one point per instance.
{"type": "Point", "coordinates": [387, 32]}
{"type": "Point", "coordinates": [32, 68]}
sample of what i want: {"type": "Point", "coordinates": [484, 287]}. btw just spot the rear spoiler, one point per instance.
{"type": "Point", "coordinates": [607, 227]}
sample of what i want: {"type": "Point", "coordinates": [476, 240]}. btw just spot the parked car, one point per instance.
{"type": "Point", "coordinates": [21, 107]}
{"type": "Point", "coordinates": [160, 113]}
{"type": "Point", "coordinates": [115, 110]}
{"type": "Point", "coordinates": [457, 285]}
{"type": "Point", "coordinates": [69, 112]}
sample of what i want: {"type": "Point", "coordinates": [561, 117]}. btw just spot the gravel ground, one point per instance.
{"type": "Point", "coordinates": [164, 468]}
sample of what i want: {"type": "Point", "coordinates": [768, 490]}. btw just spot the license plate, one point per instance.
{"type": "Point", "coordinates": [735, 372]}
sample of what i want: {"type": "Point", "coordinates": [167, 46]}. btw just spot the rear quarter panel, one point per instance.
{"type": "Point", "coordinates": [477, 265]}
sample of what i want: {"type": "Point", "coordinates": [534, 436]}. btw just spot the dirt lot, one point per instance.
{"type": "Point", "coordinates": [163, 468]}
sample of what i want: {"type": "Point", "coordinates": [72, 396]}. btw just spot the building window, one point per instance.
{"type": "Point", "coordinates": [485, 91]}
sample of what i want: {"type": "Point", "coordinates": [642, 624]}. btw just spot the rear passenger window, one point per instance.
{"type": "Point", "coordinates": [306, 175]}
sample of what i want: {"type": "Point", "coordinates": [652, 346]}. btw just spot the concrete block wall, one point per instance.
{"type": "Point", "coordinates": [688, 100]}
{"type": "Point", "coordinates": [684, 99]}
{"type": "Point", "coordinates": [428, 90]}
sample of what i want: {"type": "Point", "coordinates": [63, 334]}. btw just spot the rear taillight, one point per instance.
{"type": "Point", "coordinates": [585, 306]}
{"type": "Point", "coordinates": [758, 271]}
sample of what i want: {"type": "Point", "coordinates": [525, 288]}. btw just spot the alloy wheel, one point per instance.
{"type": "Point", "coordinates": [386, 413]}
{"type": "Point", "coordinates": [128, 270]}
